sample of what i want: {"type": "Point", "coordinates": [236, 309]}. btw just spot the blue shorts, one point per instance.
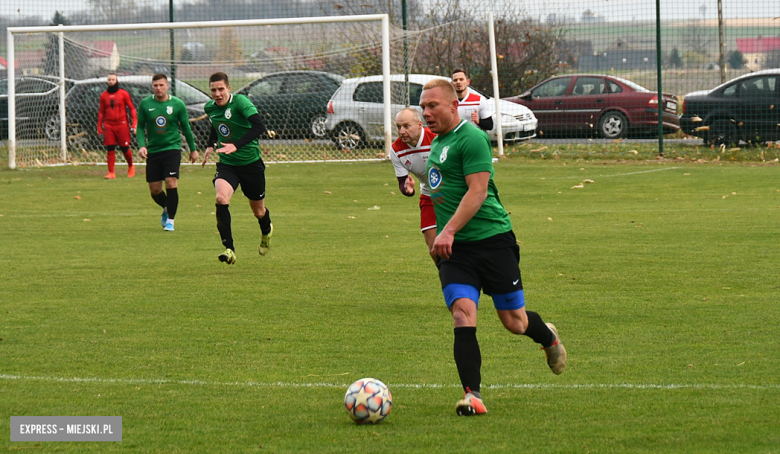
{"type": "Point", "coordinates": [503, 302]}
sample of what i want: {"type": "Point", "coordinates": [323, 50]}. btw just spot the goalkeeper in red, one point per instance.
{"type": "Point", "coordinates": [112, 124]}
{"type": "Point", "coordinates": [475, 244]}
{"type": "Point", "coordinates": [160, 118]}
{"type": "Point", "coordinates": [236, 127]}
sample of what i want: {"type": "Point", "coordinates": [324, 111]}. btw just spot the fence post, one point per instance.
{"type": "Point", "coordinates": [659, 66]}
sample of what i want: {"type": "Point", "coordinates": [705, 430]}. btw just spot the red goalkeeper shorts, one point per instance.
{"type": "Point", "coordinates": [118, 135]}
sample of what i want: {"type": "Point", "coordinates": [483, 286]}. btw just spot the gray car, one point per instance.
{"type": "Point", "coordinates": [355, 112]}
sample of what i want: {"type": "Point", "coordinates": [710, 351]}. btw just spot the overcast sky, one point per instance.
{"type": "Point", "coordinates": [610, 10]}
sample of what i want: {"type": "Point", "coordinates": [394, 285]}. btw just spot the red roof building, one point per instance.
{"type": "Point", "coordinates": [758, 45]}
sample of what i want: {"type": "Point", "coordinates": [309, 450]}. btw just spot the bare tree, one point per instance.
{"type": "Point", "coordinates": [113, 11]}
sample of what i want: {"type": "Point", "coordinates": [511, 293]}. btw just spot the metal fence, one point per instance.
{"type": "Point", "coordinates": [605, 54]}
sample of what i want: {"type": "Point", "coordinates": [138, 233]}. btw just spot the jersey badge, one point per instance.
{"type": "Point", "coordinates": [160, 121]}
{"type": "Point", "coordinates": [224, 130]}
{"type": "Point", "coordinates": [169, 109]}
{"type": "Point", "coordinates": [443, 156]}
{"type": "Point", "coordinates": [228, 113]}
{"type": "Point", "coordinates": [408, 163]}
{"type": "Point", "coordinates": [434, 178]}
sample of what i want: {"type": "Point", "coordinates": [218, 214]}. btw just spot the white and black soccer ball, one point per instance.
{"type": "Point", "coordinates": [368, 401]}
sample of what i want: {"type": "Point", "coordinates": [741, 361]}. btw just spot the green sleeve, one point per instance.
{"type": "Point", "coordinates": [247, 108]}
{"type": "Point", "coordinates": [140, 131]}
{"type": "Point", "coordinates": [184, 121]}
{"type": "Point", "coordinates": [477, 155]}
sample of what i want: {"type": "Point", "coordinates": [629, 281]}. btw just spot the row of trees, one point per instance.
{"type": "Point", "coordinates": [444, 35]}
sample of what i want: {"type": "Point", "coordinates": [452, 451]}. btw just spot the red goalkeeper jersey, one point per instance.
{"type": "Point", "coordinates": [113, 109]}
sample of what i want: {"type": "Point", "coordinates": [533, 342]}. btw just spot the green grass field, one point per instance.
{"type": "Point", "coordinates": [661, 278]}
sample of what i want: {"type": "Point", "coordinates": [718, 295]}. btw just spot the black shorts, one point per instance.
{"type": "Point", "coordinates": [490, 265]}
{"type": "Point", "coordinates": [162, 165]}
{"type": "Point", "coordinates": [251, 177]}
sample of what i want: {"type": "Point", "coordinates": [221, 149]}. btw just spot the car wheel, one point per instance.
{"type": "Point", "coordinates": [318, 126]}
{"type": "Point", "coordinates": [52, 128]}
{"type": "Point", "coordinates": [613, 125]}
{"type": "Point", "coordinates": [349, 136]}
{"type": "Point", "coordinates": [722, 132]}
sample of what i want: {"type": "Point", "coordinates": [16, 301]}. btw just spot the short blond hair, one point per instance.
{"type": "Point", "coordinates": [445, 85]}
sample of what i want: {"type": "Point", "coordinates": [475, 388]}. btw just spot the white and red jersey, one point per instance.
{"type": "Point", "coordinates": [407, 159]}
{"type": "Point", "coordinates": [474, 102]}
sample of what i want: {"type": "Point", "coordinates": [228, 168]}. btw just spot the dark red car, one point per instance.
{"type": "Point", "coordinates": [581, 104]}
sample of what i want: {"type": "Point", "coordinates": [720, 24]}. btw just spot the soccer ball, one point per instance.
{"type": "Point", "coordinates": [368, 401]}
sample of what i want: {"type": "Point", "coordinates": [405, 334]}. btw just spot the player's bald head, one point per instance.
{"type": "Point", "coordinates": [408, 115]}
{"type": "Point", "coordinates": [409, 124]}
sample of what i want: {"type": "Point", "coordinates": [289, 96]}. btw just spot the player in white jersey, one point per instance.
{"type": "Point", "coordinates": [471, 106]}
{"type": "Point", "coordinates": [409, 156]}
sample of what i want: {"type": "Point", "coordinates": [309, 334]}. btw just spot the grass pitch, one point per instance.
{"type": "Point", "coordinates": [661, 278]}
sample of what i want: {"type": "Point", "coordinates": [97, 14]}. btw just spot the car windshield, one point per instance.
{"type": "Point", "coordinates": [634, 86]}
{"type": "Point", "coordinates": [190, 94]}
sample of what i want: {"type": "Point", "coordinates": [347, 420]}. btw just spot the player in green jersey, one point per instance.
{"type": "Point", "coordinates": [236, 127]}
{"type": "Point", "coordinates": [475, 244]}
{"type": "Point", "coordinates": [160, 118]}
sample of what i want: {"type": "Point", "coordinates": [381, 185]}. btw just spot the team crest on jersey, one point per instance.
{"type": "Point", "coordinates": [228, 113]}
{"type": "Point", "coordinates": [434, 178]}
{"type": "Point", "coordinates": [160, 121]}
{"type": "Point", "coordinates": [169, 109]}
{"type": "Point", "coordinates": [443, 156]}
{"type": "Point", "coordinates": [224, 130]}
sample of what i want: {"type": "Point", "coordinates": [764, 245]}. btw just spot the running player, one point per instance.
{"type": "Point", "coordinates": [409, 155]}
{"type": "Point", "coordinates": [475, 242]}
{"type": "Point", "coordinates": [471, 106]}
{"type": "Point", "coordinates": [112, 124]}
{"type": "Point", "coordinates": [160, 118]}
{"type": "Point", "coordinates": [236, 127]}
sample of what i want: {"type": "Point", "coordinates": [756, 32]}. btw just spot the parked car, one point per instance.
{"type": "Point", "coordinates": [293, 103]}
{"type": "Point", "coordinates": [37, 99]}
{"type": "Point", "coordinates": [83, 101]}
{"type": "Point", "coordinates": [355, 112]}
{"type": "Point", "coordinates": [579, 104]}
{"type": "Point", "coordinates": [746, 108]}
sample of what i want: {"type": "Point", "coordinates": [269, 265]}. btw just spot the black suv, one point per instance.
{"type": "Point", "coordinates": [37, 99]}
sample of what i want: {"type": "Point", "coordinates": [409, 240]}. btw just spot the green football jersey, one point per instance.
{"type": "Point", "coordinates": [463, 151]}
{"type": "Point", "coordinates": [231, 122]}
{"type": "Point", "coordinates": [159, 123]}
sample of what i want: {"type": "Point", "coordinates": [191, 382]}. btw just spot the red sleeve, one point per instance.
{"type": "Point", "coordinates": [101, 113]}
{"type": "Point", "coordinates": [429, 136]}
{"type": "Point", "coordinates": [399, 145]}
{"type": "Point", "coordinates": [129, 102]}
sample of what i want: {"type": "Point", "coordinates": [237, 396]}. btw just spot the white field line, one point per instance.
{"type": "Point", "coordinates": [251, 384]}
{"type": "Point", "coordinates": [603, 176]}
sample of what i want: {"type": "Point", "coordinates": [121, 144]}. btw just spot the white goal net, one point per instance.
{"type": "Point", "coordinates": [289, 69]}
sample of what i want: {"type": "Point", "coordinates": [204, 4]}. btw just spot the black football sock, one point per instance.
{"type": "Point", "coordinates": [172, 204]}
{"type": "Point", "coordinates": [223, 225]}
{"type": "Point", "coordinates": [468, 358]}
{"type": "Point", "coordinates": [538, 331]}
{"type": "Point", "coordinates": [265, 222]}
{"type": "Point", "coordinates": [160, 199]}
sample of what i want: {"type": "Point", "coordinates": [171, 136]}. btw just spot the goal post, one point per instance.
{"type": "Point", "coordinates": [59, 123]}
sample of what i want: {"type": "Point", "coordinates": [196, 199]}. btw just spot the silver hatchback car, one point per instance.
{"type": "Point", "coordinates": [355, 112]}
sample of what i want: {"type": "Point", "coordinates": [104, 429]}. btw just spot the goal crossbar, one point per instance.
{"type": "Point", "coordinates": [11, 31]}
